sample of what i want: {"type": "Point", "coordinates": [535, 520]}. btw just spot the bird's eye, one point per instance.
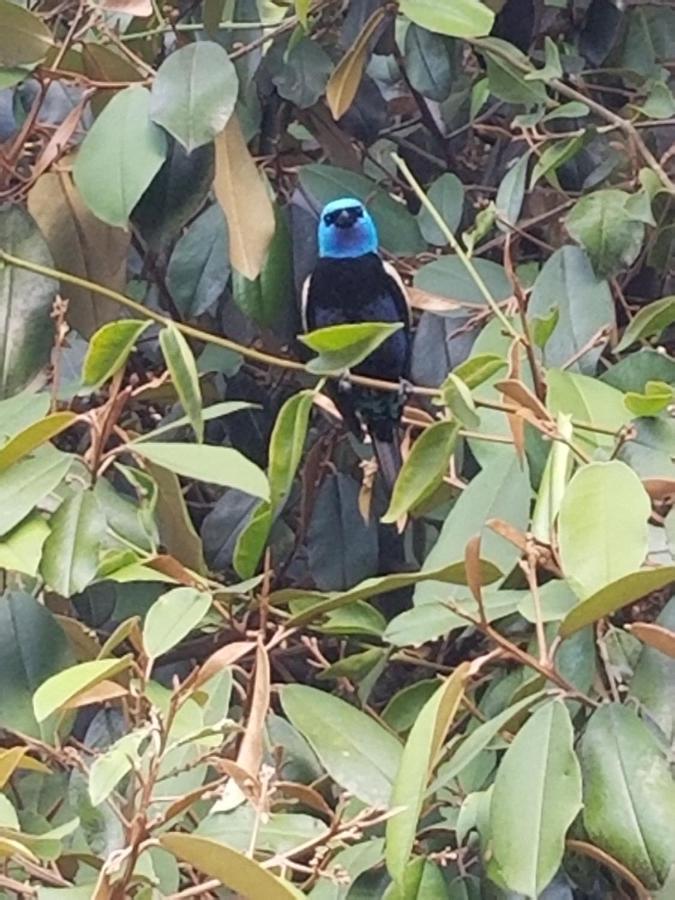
{"type": "Point", "coordinates": [358, 212]}
{"type": "Point", "coordinates": [328, 219]}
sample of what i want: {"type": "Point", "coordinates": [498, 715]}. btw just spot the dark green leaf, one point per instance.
{"type": "Point", "coordinates": [506, 79]}
{"type": "Point", "coordinates": [26, 330]}
{"type": "Point", "coordinates": [447, 195]}
{"type": "Point", "coordinates": [511, 193]}
{"type": "Point", "coordinates": [70, 555]}
{"type": "Point", "coordinates": [603, 224]}
{"type": "Point", "coordinates": [430, 62]}
{"type": "Point", "coordinates": [357, 752]}
{"type": "Point", "coordinates": [629, 794]}
{"type": "Point", "coordinates": [24, 38]}
{"type": "Point", "coordinates": [199, 267]}
{"type": "Point", "coordinates": [650, 321]}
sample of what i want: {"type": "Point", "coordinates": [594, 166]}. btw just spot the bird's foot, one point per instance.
{"type": "Point", "coordinates": [405, 388]}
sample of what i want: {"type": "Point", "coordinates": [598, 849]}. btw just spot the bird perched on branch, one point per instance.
{"type": "Point", "coordinates": [350, 284]}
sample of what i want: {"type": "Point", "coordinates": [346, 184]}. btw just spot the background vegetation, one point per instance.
{"type": "Point", "coordinates": [228, 663]}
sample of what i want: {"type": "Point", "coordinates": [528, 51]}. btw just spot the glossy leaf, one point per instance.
{"type": "Point", "coordinates": [204, 462]}
{"type": "Point", "coordinates": [615, 595]}
{"type": "Point", "coordinates": [341, 347]}
{"type": "Point", "coordinates": [194, 93]}
{"type": "Point", "coordinates": [199, 267]}
{"type": "Point", "coordinates": [419, 758]}
{"type": "Point", "coordinates": [70, 554]}
{"type": "Point", "coordinates": [536, 795]}
{"type": "Point", "coordinates": [357, 752]}
{"type": "Point", "coordinates": [629, 794]}
{"type": "Point", "coordinates": [181, 364]}
{"type": "Point", "coordinates": [109, 350]}
{"type": "Point", "coordinates": [462, 18]}
{"type": "Point", "coordinates": [233, 869]}
{"type": "Point", "coordinates": [605, 507]}
{"type": "Point", "coordinates": [24, 39]}
{"type": "Point", "coordinates": [54, 693]}
{"type": "Point", "coordinates": [26, 330]}
{"type": "Point", "coordinates": [25, 484]}
{"type": "Point", "coordinates": [130, 148]}
{"type": "Point", "coordinates": [172, 617]}
{"type": "Point", "coordinates": [423, 468]}
{"type": "Point", "coordinates": [651, 320]}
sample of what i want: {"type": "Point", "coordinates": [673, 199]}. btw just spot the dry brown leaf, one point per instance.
{"type": "Point", "coordinates": [660, 489]}
{"type": "Point", "coordinates": [170, 566]}
{"type": "Point", "coordinates": [657, 636]}
{"type": "Point", "coordinates": [81, 245]}
{"type": "Point", "coordinates": [223, 657]}
{"type": "Point", "coordinates": [472, 568]}
{"type": "Point", "coordinates": [58, 142]}
{"type": "Point", "coordinates": [346, 77]}
{"type": "Point", "coordinates": [82, 640]}
{"type": "Point", "coordinates": [242, 194]}
{"type": "Point", "coordinates": [251, 749]}
{"type": "Point", "coordinates": [428, 302]}
{"type": "Point", "coordinates": [518, 392]}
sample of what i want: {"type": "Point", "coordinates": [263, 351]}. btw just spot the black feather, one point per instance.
{"type": "Point", "coordinates": [343, 291]}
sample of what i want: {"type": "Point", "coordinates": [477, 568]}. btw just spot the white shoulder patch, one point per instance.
{"type": "Point", "coordinates": [303, 302]}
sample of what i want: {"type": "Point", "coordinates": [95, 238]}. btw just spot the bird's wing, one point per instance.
{"type": "Point", "coordinates": [304, 301]}
{"type": "Point", "coordinates": [401, 296]}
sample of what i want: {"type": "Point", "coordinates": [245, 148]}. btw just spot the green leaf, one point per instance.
{"type": "Point", "coordinates": [21, 410]}
{"type": "Point", "coordinates": [603, 224]}
{"type": "Point", "coordinates": [656, 398]}
{"type": "Point", "coordinates": [357, 752]}
{"type": "Point", "coordinates": [396, 227]}
{"type": "Point", "coordinates": [341, 347]}
{"type": "Point", "coordinates": [59, 690]}
{"type": "Point", "coordinates": [204, 462]}
{"type": "Point", "coordinates": [215, 411]}
{"type": "Point", "coordinates": [402, 710]}
{"type": "Point", "coordinates": [478, 368]}
{"type": "Point", "coordinates": [108, 769]}
{"type": "Point", "coordinates": [419, 758]}
{"type": "Point", "coordinates": [26, 628]}
{"type": "Point", "coordinates": [34, 436]}
{"type": "Point", "coordinates": [302, 11]}
{"type": "Point", "coordinates": [449, 277]}
{"type": "Point", "coordinates": [551, 68]}
{"type": "Point", "coordinates": [70, 554]}
{"type": "Point", "coordinates": [24, 38]}
{"type": "Point", "coordinates": [26, 329]}
{"type": "Point", "coordinates": [269, 299]}
{"type": "Point", "coordinates": [21, 549]}
{"type": "Point", "coordinates": [553, 484]}
{"type": "Point", "coordinates": [181, 364]}
{"type": "Point", "coordinates": [128, 147]}
{"type": "Point", "coordinates": [653, 682]}
{"type": "Point", "coordinates": [194, 93]}
{"type": "Point", "coordinates": [431, 64]}
{"type": "Point", "coordinates": [457, 397]}
{"type": "Point", "coordinates": [199, 267]}
{"type": "Point", "coordinates": [447, 195]}
{"type": "Point", "coordinates": [279, 833]}
{"type": "Point", "coordinates": [649, 322]}
{"type": "Point", "coordinates": [109, 350]}
{"type": "Point", "coordinates": [567, 285]}
{"type": "Point", "coordinates": [286, 445]}
{"type": "Point", "coordinates": [555, 156]}
{"type": "Point", "coordinates": [629, 794]}
{"type": "Point", "coordinates": [372, 587]}
{"type": "Point", "coordinates": [506, 80]}
{"type": "Point", "coordinates": [536, 796]}
{"type": "Point", "coordinates": [172, 617]}
{"type": "Point", "coordinates": [29, 481]}
{"type": "Point", "coordinates": [511, 193]}
{"type": "Point", "coordinates": [236, 871]}
{"type": "Point", "coordinates": [481, 738]}
{"type": "Point", "coordinates": [501, 491]}
{"type": "Point", "coordinates": [615, 595]}
{"type": "Point", "coordinates": [423, 469]}
{"type": "Point", "coordinates": [429, 619]}
{"type": "Point", "coordinates": [587, 400]}
{"type": "Point", "coordinates": [461, 18]}
{"type": "Point", "coordinates": [602, 526]}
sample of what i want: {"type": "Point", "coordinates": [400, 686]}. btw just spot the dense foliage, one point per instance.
{"type": "Point", "coordinates": [229, 663]}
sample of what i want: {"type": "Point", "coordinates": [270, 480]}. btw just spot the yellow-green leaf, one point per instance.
{"type": "Point", "coordinates": [38, 433]}
{"type": "Point", "coordinates": [57, 691]}
{"type": "Point", "coordinates": [183, 368]}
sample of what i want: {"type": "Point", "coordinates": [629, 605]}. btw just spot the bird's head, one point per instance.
{"type": "Point", "coordinates": [346, 230]}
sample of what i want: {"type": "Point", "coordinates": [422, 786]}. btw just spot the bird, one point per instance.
{"type": "Point", "coordinates": [351, 283]}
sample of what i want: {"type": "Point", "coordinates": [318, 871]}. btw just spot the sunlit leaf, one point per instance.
{"type": "Point", "coordinates": [461, 18]}
{"type": "Point", "coordinates": [341, 347]}
{"type": "Point", "coordinates": [109, 350]}
{"type": "Point", "coordinates": [181, 364]}
{"type": "Point", "coordinates": [57, 691]}
{"type": "Point", "coordinates": [171, 617]}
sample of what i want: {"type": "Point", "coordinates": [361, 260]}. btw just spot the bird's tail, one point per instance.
{"type": "Point", "coordinates": [388, 455]}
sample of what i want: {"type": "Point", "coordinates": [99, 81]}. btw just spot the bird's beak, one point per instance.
{"type": "Point", "coordinates": [344, 219]}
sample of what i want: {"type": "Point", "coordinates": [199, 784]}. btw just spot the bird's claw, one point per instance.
{"type": "Point", "coordinates": [404, 389]}
{"type": "Point", "coordinates": [345, 384]}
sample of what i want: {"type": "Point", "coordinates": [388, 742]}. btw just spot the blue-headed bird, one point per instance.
{"type": "Point", "coordinates": [351, 283]}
